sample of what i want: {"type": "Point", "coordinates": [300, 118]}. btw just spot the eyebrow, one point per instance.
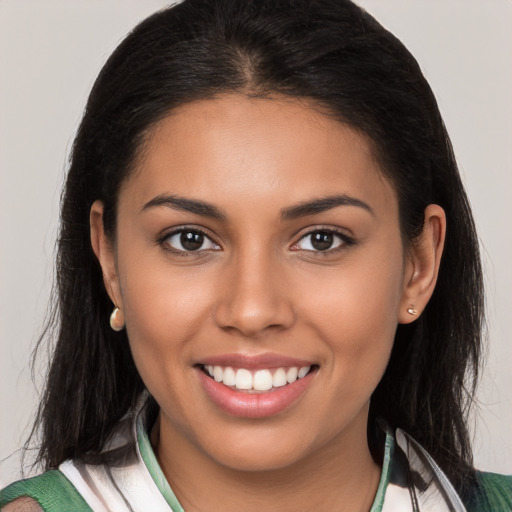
{"type": "Point", "coordinates": [186, 205]}
{"type": "Point", "coordinates": [323, 204]}
{"type": "Point", "coordinates": [293, 212]}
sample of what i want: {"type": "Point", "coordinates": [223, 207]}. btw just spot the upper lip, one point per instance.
{"type": "Point", "coordinates": [254, 361]}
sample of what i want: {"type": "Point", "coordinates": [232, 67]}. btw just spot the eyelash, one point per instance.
{"type": "Point", "coordinates": [346, 241]}
{"type": "Point", "coordinates": [184, 253]}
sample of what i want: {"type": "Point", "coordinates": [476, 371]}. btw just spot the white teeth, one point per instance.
{"type": "Point", "coordinates": [279, 378]}
{"type": "Point", "coordinates": [291, 375]}
{"type": "Point", "coordinates": [218, 373]}
{"type": "Point", "coordinates": [303, 371]}
{"type": "Point", "coordinates": [229, 377]}
{"type": "Point", "coordinates": [243, 379]}
{"type": "Point", "coordinates": [262, 380]}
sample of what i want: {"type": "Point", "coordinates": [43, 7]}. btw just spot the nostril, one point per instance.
{"type": "Point", "coordinates": [254, 321]}
{"type": "Point", "coordinates": [254, 301]}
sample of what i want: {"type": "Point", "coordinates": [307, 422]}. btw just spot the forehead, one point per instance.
{"type": "Point", "coordinates": [255, 149]}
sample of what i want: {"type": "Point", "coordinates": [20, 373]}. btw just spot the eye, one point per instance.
{"type": "Point", "coordinates": [189, 240]}
{"type": "Point", "coordinates": [322, 240]}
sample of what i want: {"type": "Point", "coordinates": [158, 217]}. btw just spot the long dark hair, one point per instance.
{"type": "Point", "coordinates": [336, 55]}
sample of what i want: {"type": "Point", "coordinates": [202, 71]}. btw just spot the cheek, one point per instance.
{"type": "Point", "coordinates": [356, 316]}
{"type": "Point", "coordinates": [164, 309]}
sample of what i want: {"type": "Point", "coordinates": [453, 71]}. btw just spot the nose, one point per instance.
{"type": "Point", "coordinates": [254, 299]}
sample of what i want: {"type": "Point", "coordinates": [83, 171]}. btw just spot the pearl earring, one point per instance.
{"type": "Point", "coordinates": [412, 311]}
{"type": "Point", "coordinates": [117, 320]}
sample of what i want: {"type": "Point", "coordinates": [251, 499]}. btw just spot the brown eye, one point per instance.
{"type": "Point", "coordinates": [323, 240]}
{"type": "Point", "coordinates": [189, 240]}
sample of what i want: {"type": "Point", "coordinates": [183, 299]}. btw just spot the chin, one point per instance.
{"type": "Point", "coordinates": [266, 448]}
{"type": "Point", "coordinates": [257, 460]}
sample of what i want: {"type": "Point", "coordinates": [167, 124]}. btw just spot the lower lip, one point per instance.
{"type": "Point", "coordinates": [254, 405]}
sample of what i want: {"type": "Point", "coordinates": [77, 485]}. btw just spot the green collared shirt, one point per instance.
{"type": "Point", "coordinates": [133, 481]}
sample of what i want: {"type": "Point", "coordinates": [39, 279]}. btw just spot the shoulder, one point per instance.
{"type": "Point", "coordinates": [49, 492]}
{"type": "Point", "coordinates": [492, 492]}
{"type": "Point", "coordinates": [23, 504]}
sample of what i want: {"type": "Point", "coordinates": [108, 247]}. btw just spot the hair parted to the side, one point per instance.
{"type": "Point", "coordinates": [338, 57]}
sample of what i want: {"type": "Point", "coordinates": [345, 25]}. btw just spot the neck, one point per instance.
{"type": "Point", "coordinates": [341, 476]}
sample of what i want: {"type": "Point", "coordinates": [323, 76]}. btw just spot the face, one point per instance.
{"type": "Point", "coordinates": [260, 270]}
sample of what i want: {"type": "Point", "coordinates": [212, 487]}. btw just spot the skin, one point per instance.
{"type": "Point", "coordinates": [261, 287]}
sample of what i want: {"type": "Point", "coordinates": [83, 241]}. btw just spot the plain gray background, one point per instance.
{"type": "Point", "coordinates": [50, 53]}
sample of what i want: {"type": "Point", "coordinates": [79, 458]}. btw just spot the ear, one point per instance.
{"type": "Point", "coordinates": [104, 251]}
{"type": "Point", "coordinates": [422, 265]}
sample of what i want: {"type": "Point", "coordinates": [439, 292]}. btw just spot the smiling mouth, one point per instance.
{"type": "Point", "coordinates": [256, 381]}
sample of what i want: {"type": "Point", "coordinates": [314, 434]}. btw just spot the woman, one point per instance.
{"type": "Point", "coordinates": [258, 199]}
